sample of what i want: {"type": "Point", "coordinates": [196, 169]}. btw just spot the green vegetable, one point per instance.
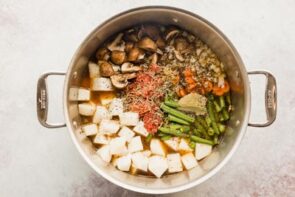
{"type": "Point", "coordinates": [171, 103]}
{"type": "Point", "coordinates": [201, 120]}
{"type": "Point", "coordinates": [210, 131]}
{"type": "Point", "coordinates": [217, 107]}
{"type": "Point", "coordinates": [221, 127]}
{"type": "Point", "coordinates": [197, 132]}
{"type": "Point", "coordinates": [177, 113]}
{"type": "Point", "coordinates": [172, 132]}
{"type": "Point", "coordinates": [177, 120]}
{"type": "Point", "coordinates": [166, 137]}
{"type": "Point", "coordinates": [182, 128]}
{"type": "Point", "coordinates": [192, 144]}
{"type": "Point", "coordinates": [227, 98]}
{"type": "Point", "coordinates": [201, 140]}
{"type": "Point", "coordinates": [215, 140]}
{"type": "Point", "coordinates": [212, 114]}
{"type": "Point", "coordinates": [208, 120]}
{"type": "Point", "coordinates": [222, 102]}
{"type": "Point", "coordinates": [149, 137]}
{"type": "Point", "coordinates": [225, 114]}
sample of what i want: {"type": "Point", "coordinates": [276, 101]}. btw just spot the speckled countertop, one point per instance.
{"type": "Point", "coordinates": [38, 36]}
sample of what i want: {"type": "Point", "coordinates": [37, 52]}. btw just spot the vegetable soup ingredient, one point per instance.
{"type": "Point", "coordinates": [126, 133]}
{"type": "Point", "coordinates": [108, 127]}
{"type": "Point", "coordinates": [104, 153]}
{"type": "Point", "coordinates": [193, 102]}
{"type": "Point", "coordinates": [101, 113]}
{"type": "Point", "coordinates": [202, 150]}
{"type": "Point", "coordinates": [189, 161]}
{"type": "Point", "coordinates": [118, 146]}
{"type": "Point", "coordinates": [174, 163]}
{"type": "Point", "coordinates": [135, 145]}
{"type": "Point", "coordinates": [157, 165]}
{"type": "Point", "coordinates": [86, 109]}
{"type": "Point", "coordinates": [176, 113]}
{"type": "Point", "coordinates": [129, 118]}
{"type": "Point", "coordinates": [201, 140]}
{"type": "Point", "coordinates": [106, 69]}
{"type": "Point", "coordinates": [90, 129]}
{"type": "Point", "coordinates": [124, 163]}
{"type": "Point", "coordinates": [101, 84]}
{"type": "Point", "coordinates": [140, 161]}
{"type": "Point", "coordinates": [157, 147]}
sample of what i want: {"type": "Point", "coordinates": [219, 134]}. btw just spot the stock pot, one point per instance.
{"type": "Point", "coordinates": [237, 76]}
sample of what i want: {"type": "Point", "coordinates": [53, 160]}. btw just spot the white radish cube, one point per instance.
{"type": "Point", "coordinates": [108, 127]}
{"type": "Point", "coordinates": [147, 153]}
{"type": "Point", "coordinates": [90, 129]}
{"type": "Point", "coordinates": [184, 146]}
{"type": "Point", "coordinates": [157, 147]}
{"type": "Point", "coordinates": [104, 153]}
{"type": "Point", "coordinates": [83, 94]}
{"type": "Point", "coordinates": [102, 84]}
{"type": "Point", "coordinates": [86, 109]}
{"type": "Point", "coordinates": [157, 165]}
{"type": "Point", "coordinates": [124, 163]}
{"type": "Point", "coordinates": [118, 146]}
{"type": "Point", "coordinates": [135, 145]}
{"type": "Point", "coordinates": [202, 150]}
{"type": "Point", "coordinates": [94, 70]}
{"type": "Point", "coordinates": [174, 163]}
{"type": "Point", "coordinates": [140, 129]}
{"type": "Point", "coordinates": [140, 161]}
{"type": "Point", "coordinates": [116, 107]}
{"type": "Point", "coordinates": [101, 113]}
{"type": "Point", "coordinates": [172, 143]}
{"type": "Point", "coordinates": [129, 118]}
{"type": "Point", "coordinates": [106, 98]}
{"type": "Point", "coordinates": [73, 94]}
{"type": "Point", "coordinates": [126, 133]}
{"type": "Point", "coordinates": [189, 161]}
{"type": "Point", "coordinates": [101, 139]}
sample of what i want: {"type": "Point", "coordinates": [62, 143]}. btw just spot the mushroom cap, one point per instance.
{"type": "Point", "coordinates": [147, 44]}
{"type": "Point", "coordinates": [118, 57]}
{"type": "Point", "coordinates": [120, 81]}
{"type": "Point", "coordinates": [106, 69]}
{"type": "Point", "coordinates": [129, 67]}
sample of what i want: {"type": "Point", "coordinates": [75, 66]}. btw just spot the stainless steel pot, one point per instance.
{"type": "Point", "coordinates": [238, 78]}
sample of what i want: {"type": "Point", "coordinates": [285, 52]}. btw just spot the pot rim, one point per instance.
{"type": "Point", "coordinates": [213, 171]}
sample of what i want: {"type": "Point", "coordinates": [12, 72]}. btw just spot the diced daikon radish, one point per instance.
{"type": "Point", "coordinates": [102, 84]}
{"type": "Point", "coordinates": [83, 94]}
{"type": "Point", "coordinates": [140, 161]}
{"type": "Point", "coordinates": [140, 129]}
{"type": "Point", "coordinates": [73, 94]}
{"type": "Point", "coordinates": [86, 109]}
{"type": "Point", "coordinates": [104, 153]}
{"type": "Point", "coordinates": [202, 150]}
{"type": "Point", "coordinates": [147, 153]}
{"type": "Point", "coordinates": [184, 146]}
{"type": "Point", "coordinates": [106, 98]}
{"type": "Point", "coordinates": [101, 139]}
{"type": "Point", "coordinates": [157, 165]}
{"type": "Point", "coordinates": [174, 163]}
{"type": "Point", "coordinates": [124, 163]}
{"type": "Point", "coordinates": [90, 129]}
{"type": "Point", "coordinates": [189, 161]}
{"type": "Point", "coordinates": [126, 133]}
{"type": "Point", "coordinates": [172, 143]}
{"type": "Point", "coordinates": [108, 127]}
{"type": "Point", "coordinates": [118, 146]}
{"type": "Point", "coordinates": [157, 147]}
{"type": "Point", "coordinates": [129, 118]}
{"type": "Point", "coordinates": [116, 107]}
{"type": "Point", "coordinates": [94, 70]}
{"type": "Point", "coordinates": [135, 145]}
{"type": "Point", "coordinates": [101, 113]}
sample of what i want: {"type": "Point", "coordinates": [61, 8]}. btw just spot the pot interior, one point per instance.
{"type": "Point", "coordinates": [236, 75]}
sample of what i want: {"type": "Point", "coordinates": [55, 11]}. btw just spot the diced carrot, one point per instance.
{"type": "Point", "coordinates": [189, 80]}
{"type": "Point", "coordinates": [191, 87]}
{"type": "Point", "coordinates": [188, 72]}
{"type": "Point", "coordinates": [208, 86]}
{"type": "Point", "coordinates": [175, 80]}
{"type": "Point", "coordinates": [181, 92]}
{"type": "Point", "coordinates": [219, 91]}
{"type": "Point", "coordinates": [225, 87]}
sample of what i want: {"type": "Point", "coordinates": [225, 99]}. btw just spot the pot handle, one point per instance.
{"type": "Point", "coordinates": [42, 101]}
{"type": "Point", "coordinates": [270, 98]}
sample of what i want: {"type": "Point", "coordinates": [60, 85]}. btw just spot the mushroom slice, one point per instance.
{"type": "Point", "coordinates": [170, 34]}
{"type": "Point", "coordinates": [115, 44]}
{"type": "Point", "coordinates": [129, 67]}
{"type": "Point", "coordinates": [160, 43]}
{"type": "Point", "coordinates": [180, 44]}
{"type": "Point", "coordinates": [147, 44]}
{"type": "Point", "coordinates": [106, 69]}
{"type": "Point", "coordinates": [154, 58]}
{"type": "Point", "coordinates": [102, 54]}
{"type": "Point", "coordinates": [133, 54]}
{"type": "Point", "coordinates": [178, 56]}
{"type": "Point", "coordinates": [120, 81]}
{"type": "Point", "coordinates": [118, 57]}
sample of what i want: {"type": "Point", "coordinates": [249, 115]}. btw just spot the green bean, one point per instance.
{"type": "Point", "coordinates": [221, 127]}
{"type": "Point", "coordinates": [201, 120]}
{"type": "Point", "coordinates": [228, 99]}
{"type": "Point", "coordinates": [201, 140]}
{"type": "Point", "coordinates": [225, 114]}
{"type": "Point", "coordinates": [166, 137]}
{"type": "Point", "coordinates": [177, 113]}
{"type": "Point", "coordinates": [200, 127]}
{"type": "Point", "coordinates": [183, 128]}
{"type": "Point", "coordinates": [210, 131]}
{"type": "Point", "coordinates": [149, 137]}
{"type": "Point", "coordinates": [212, 117]}
{"type": "Point", "coordinates": [192, 144]}
{"type": "Point", "coordinates": [172, 132]}
{"type": "Point", "coordinates": [222, 102]}
{"type": "Point", "coordinates": [197, 132]}
{"type": "Point", "coordinates": [208, 120]}
{"type": "Point", "coordinates": [177, 120]}
{"type": "Point", "coordinates": [171, 103]}
{"type": "Point", "coordinates": [215, 140]}
{"type": "Point", "coordinates": [217, 107]}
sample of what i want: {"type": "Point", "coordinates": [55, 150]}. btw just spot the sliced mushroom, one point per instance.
{"type": "Point", "coordinates": [102, 54]}
{"type": "Point", "coordinates": [130, 36]}
{"type": "Point", "coordinates": [116, 45]}
{"type": "Point", "coordinates": [147, 44]}
{"type": "Point", "coordinates": [120, 81]}
{"type": "Point", "coordinates": [160, 43]}
{"type": "Point", "coordinates": [171, 33]}
{"type": "Point", "coordinates": [178, 56]}
{"type": "Point", "coordinates": [154, 58]}
{"type": "Point", "coordinates": [129, 46]}
{"type": "Point", "coordinates": [128, 67]}
{"type": "Point", "coordinates": [118, 57]}
{"type": "Point", "coordinates": [135, 54]}
{"type": "Point", "coordinates": [106, 69]}
{"type": "Point", "coordinates": [159, 51]}
{"type": "Point", "coordinates": [180, 44]}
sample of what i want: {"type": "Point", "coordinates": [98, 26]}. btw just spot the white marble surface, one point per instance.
{"type": "Point", "coordinates": [39, 36]}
